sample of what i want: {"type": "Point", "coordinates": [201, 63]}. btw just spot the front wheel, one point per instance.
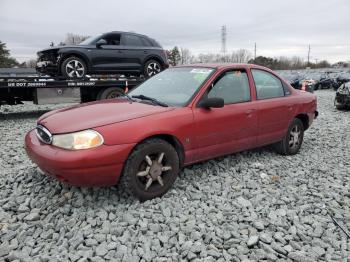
{"type": "Point", "coordinates": [151, 68]}
{"type": "Point", "coordinates": [73, 67]}
{"type": "Point", "coordinates": [292, 141]}
{"type": "Point", "coordinates": [150, 170]}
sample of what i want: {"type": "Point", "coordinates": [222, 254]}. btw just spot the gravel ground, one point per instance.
{"type": "Point", "coordinates": [250, 206]}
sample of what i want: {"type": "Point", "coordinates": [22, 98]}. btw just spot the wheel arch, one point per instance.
{"type": "Point", "coordinates": [65, 55]}
{"type": "Point", "coordinates": [303, 117]}
{"type": "Point", "coordinates": [154, 57]}
{"type": "Point", "coordinates": [172, 140]}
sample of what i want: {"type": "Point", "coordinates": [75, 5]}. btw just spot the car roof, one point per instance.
{"type": "Point", "coordinates": [123, 32]}
{"type": "Point", "coordinates": [226, 66]}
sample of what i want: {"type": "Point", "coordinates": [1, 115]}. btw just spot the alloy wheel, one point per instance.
{"type": "Point", "coordinates": [153, 69]}
{"type": "Point", "coordinates": [75, 68]}
{"type": "Point", "coordinates": [295, 137]}
{"type": "Point", "coordinates": [152, 169]}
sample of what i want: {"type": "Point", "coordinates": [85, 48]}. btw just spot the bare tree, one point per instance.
{"type": "Point", "coordinates": [297, 62]}
{"type": "Point", "coordinates": [240, 56]}
{"type": "Point", "coordinates": [186, 57]}
{"type": "Point", "coordinates": [74, 39]}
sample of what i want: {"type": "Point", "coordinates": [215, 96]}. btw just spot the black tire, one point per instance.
{"type": "Point", "coordinates": [340, 107]}
{"type": "Point", "coordinates": [284, 147]}
{"type": "Point", "coordinates": [151, 68]}
{"type": "Point", "coordinates": [110, 93]}
{"type": "Point", "coordinates": [137, 164]}
{"type": "Point", "coordinates": [73, 67]}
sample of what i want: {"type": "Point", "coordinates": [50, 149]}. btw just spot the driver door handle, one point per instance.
{"type": "Point", "coordinates": [249, 112]}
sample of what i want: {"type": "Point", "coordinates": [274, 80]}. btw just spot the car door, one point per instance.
{"type": "Point", "coordinates": [229, 129]}
{"type": "Point", "coordinates": [275, 108]}
{"type": "Point", "coordinates": [134, 51]}
{"type": "Point", "coordinates": [109, 57]}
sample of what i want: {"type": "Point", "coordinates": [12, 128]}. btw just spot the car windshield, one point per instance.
{"type": "Point", "coordinates": [90, 40]}
{"type": "Point", "coordinates": [174, 86]}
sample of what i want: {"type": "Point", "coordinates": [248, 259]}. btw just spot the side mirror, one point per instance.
{"type": "Point", "coordinates": [214, 102]}
{"type": "Point", "coordinates": [100, 43]}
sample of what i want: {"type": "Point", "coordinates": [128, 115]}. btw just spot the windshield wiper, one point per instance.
{"type": "Point", "coordinates": [153, 100]}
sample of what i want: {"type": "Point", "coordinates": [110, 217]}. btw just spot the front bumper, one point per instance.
{"type": "Point", "coordinates": [46, 67]}
{"type": "Point", "coordinates": [101, 166]}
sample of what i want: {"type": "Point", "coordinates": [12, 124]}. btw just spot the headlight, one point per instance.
{"type": "Point", "coordinates": [79, 140]}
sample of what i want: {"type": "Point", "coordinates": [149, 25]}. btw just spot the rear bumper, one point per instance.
{"type": "Point", "coordinates": [101, 166]}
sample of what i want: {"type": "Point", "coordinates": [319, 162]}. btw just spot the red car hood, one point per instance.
{"type": "Point", "coordinates": [90, 115]}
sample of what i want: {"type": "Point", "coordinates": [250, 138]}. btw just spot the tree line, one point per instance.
{"type": "Point", "coordinates": [179, 56]}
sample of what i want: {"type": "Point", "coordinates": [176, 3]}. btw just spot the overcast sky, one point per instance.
{"type": "Point", "coordinates": [279, 27]}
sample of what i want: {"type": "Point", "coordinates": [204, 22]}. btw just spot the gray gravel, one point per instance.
{"type": "Point", "coordinates": [250, 206]}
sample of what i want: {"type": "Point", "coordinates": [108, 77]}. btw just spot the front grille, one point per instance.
{"type": "Point", "coordinates": [43, 134]}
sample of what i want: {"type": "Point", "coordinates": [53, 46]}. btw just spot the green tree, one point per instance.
{"type": "Point", "coordinates": [5, 59]}
{"type": "Point", "coordinates": [174, 56]}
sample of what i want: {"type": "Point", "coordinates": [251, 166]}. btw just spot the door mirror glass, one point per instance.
{"type": "Point", "coordinates": [213, 102]}
{"type": "Point", "coordinates": [100, 43]}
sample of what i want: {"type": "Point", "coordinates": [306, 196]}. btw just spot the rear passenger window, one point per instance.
{"type": "Point", "coordinates": [132, 40]}
{"type": "Point", "coordinates": [267, 85]}
{"type": "Point", "coordinates": [232, 86]}
{"type": "Point", "coordinates": [145, 41]}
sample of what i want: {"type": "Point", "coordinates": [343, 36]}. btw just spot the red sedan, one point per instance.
{"type": "Point", "coordinates": [181, 116]}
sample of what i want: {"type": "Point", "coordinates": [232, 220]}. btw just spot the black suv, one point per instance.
{"type": "Point", "coordinates": [110, 53]}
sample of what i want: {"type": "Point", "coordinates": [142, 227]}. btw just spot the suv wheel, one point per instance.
{"type": "Point", "coordinates": [151, 68]}
{"type": "Point", "coordinates": [150, 170]}
{"type": "Point", "coordinates": [73, 67]}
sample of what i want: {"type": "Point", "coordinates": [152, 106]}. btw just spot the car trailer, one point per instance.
{"type": "Point", "coordinates": [46, 90]}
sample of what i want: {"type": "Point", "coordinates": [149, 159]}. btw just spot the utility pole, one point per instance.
{"type": "Point", "coordinates": [308, 56]}
{"type": "Point", "coordinates": [254, 52]}
{"type": "Point", "coordinates": [223, 41]}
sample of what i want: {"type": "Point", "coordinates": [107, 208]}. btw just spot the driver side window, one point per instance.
{"type": "Point", "coordinates": [112, 39]}
{"type": "Point", "coordinates": [232, 86]}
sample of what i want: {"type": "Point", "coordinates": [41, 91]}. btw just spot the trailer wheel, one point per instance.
{"type": "Point", "coordinates": [73, 67]}
{"type": "Point", "coordinates": [109, 93]}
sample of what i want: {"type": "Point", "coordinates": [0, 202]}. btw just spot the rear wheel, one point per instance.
{"type": "Point", "coordinates": [150, 170]}
{"type": "Point", "coordinates": [292, 141]}
{"type": "Point", "coordinates": [151, 68]}
{"type": "Point", "coordinates": [109, 93]}
{"type": "Point", "coordinates": [73, 67]}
